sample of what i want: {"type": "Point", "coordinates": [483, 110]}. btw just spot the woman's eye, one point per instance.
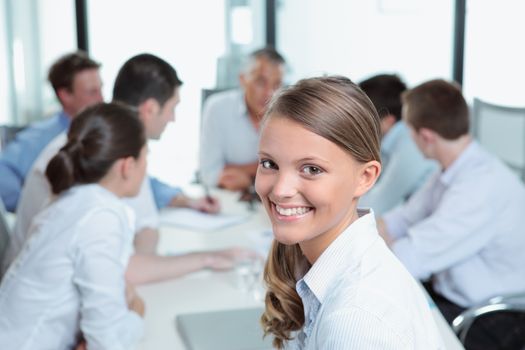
{"type": "Point", "coordinates": [267, 164]}
{"type": "Point", "coordinates": [312, 170]}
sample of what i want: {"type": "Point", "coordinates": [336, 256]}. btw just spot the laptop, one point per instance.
{"type": "Point", "coordinates": [237, 329]}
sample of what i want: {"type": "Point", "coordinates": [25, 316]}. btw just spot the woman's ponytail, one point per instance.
{"type": "Point", "coordinates": [284, 311]}
{"type": "Point", "coordinates": [97, 138]}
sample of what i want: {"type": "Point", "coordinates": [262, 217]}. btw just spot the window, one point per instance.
{"type": "Point", "coordinates": [359, 39]}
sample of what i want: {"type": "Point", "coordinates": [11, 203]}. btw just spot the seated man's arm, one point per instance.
{"type": "Point", "coordinates": [452, 233]}
{"type": "Point", "coordinates": [396, 222]}
{"type": "Point", "coordinates": [10, 185]}
{"type": "Point", "coordinates": [19, 156]}
{"type": "Point", "coordinates": [406, 171]}
{"type": "Point", "coordinates": [15, 162]}
{"type": "Point", "coordinates": [162, 192]}
{"type": "Point", "coordinates": [249, 169]}
{"type": "Point", "coordinates": [237, 177]}
{"type": "Point", "coordinates": [168, 196]}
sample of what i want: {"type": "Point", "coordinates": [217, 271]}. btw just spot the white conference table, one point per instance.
{"type": "Point", "coordinates": [211, 291]}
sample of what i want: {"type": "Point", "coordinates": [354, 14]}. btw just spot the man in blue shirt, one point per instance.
{"type": "Point", "coordinates": [77, 84]}
{"type": "Point", "coordinates": [404, 167]}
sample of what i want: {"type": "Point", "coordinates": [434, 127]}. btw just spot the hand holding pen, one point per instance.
{"type": "Point", "coordinates": [207, 204]}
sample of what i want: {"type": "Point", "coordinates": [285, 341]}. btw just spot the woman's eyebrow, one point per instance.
{"type": "Point", "coordinates": [313, 159]}
{"type": "Point", "coordinates": [263, 154]}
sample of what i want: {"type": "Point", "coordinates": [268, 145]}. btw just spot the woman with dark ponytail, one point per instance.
{"type": "Point", "coordinates": [332, 282]}
{"type": "Point", "coordinates": [68, 282]}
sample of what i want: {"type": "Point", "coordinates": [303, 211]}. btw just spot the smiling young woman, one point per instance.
{"type": "Point", "coordinates": [328, 269]}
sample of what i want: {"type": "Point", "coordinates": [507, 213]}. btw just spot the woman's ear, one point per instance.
{"type": "Point", "coordinates": [125, 166]}
{"type": "Point", "coordinates": [367, 176]}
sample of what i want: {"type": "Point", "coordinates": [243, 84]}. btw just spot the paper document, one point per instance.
{"type": "Point", "coordinates": [196, 220]}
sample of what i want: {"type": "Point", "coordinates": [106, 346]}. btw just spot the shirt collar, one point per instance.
{"type": "Point", "coordinates": [391, 137]}
{"type": "Point", "coordinates": [448, 175]}
{"type": "Point", "coordinates": [96, 188]}
{"type": "Point", "coordinates": [64, 119]}
{"type": "Point", "coordinates": [344, 253]}
{"type": "Point", "coordinates": [311, 306]}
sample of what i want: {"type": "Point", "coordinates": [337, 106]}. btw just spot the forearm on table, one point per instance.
{"type": "Point", "coordinates": [250, 169]}
{"type": "Point", "coordinates": [180, 201]}
{"type": "Point", "coordinates": [148, 268]}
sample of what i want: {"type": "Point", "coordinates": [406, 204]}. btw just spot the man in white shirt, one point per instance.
{"type": "Point", "coordinates": [463, 230]}
{"type": "Point", "coordinates": [152, 86]}
{"type": "Point", "coordinates": [404, 168]}
{"type": "Point", "coordinates": [230, 129]}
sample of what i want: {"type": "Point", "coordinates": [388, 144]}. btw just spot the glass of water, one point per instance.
{"type": "Point", "coordinates": [248, 273]}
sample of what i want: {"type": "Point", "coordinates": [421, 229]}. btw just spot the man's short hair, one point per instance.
{"type": "Point", "coordinates": [267, 53]}
{"type": "Point", "coordinates": [145, 76]}
{"type": "Point", "coordinates": [63, 71]}
{"type": "Point", "coordinates": [439, 106]}
{"type": "Point", "coordinates": [385, 92]}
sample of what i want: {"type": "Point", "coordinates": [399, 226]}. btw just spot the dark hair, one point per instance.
{"type": "Point", "coordinates": [145, 76]}
{"type": "Point", "coordinates": [63, 71]}
{"type": "Point", "coordinates": [268, 53]}
{"type": "Point", "coordinates": [98, 137]}
{"type": "Point", "coordinates": [339, 111]}
{"type": "Point", "coordinates": [385, 92]}
{"type": "Point", "coordinates": [439, 106]}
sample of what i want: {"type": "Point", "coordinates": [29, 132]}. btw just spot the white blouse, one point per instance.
{"type": "Point", "coordinates": [357, 295]}
{"type": "Point", "coordinates": [69, 277]}
{"type": "Point", "coordinates": [36, 194]}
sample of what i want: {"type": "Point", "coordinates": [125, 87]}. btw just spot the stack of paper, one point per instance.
{"type": "Point", "coordinates": [195, 220]}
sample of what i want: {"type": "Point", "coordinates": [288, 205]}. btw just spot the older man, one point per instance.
{"type": "Point", "coordinates": [230, 130]}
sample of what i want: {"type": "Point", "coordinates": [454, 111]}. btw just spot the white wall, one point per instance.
{"type": "Point", "coordinates": [187, 34]}
{"type": "Point", "coordinates": [57, 36]}
{"type": "Point", "coordinates": [5, 103]}
{"type": "Point", "coordinates": [361, 38]}
{"type": "Point", "coordinates": [495, 51]}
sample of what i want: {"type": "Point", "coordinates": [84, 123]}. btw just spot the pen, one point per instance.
{"type": "Point", "coordinates": [207, 195]}
{"type": "Point", "coordinates": [251, 198]}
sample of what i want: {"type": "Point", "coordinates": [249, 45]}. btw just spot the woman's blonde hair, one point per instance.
{"type": "Point", "coordinates": [338, 110]}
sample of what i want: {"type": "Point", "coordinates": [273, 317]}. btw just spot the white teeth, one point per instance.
{"type": "Point", "coordinates": [291, 211]}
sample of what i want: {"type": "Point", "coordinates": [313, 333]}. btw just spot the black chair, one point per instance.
{"type": "Point", "coordinates": [4, 236]}
{"type": "Point", "coordinates": [504, 303]}
{"type": "Point", "coordinates": [205, 93]}
{"type": "Point", "coordinates": [8, 134]}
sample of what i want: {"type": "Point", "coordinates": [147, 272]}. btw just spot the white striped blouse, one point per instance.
{"type": "Point", "coordinates": [357, 295]}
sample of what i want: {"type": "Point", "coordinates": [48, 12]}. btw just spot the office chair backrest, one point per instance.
{"type": "Point", "coordinates": [205, 93]}
{"type": "Point", "coordinates": [8, 134]}
{"type": "Point", "coordinates": [4, 235]}
{"type": "Point", "coordinates": [501, 130]}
